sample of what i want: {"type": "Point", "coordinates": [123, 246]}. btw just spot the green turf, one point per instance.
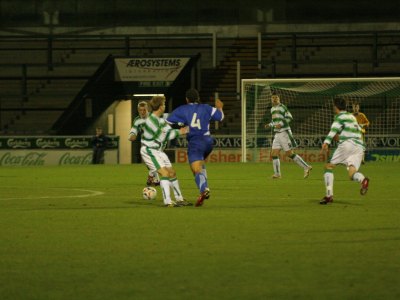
{"type": "Point", "coordinates": [256, 238]}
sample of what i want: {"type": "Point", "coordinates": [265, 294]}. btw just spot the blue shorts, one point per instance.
{"type": "Point", "coordinates": [199, 147]}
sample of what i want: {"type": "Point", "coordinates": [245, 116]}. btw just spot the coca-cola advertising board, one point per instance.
{"type": "Point", "coordinates": [50, 150]}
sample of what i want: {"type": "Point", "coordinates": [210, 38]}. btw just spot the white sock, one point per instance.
{"type": "Point", "coordinates": [329, 178]}
{"type": "Point", "coordinates": [298, 160]}
{"type": "Point", "coordinates": [276, 163]}
{"type": "Point", "coordinates": [165, 185]}
{"type": "Point", "coordinates": [359, 177]}
{"type": "Point", "coordinates": [174, 183]}
{"type": "Point", "coordinates": [156, 177]}
{"type": "Point", "coordinates": [154, 174]}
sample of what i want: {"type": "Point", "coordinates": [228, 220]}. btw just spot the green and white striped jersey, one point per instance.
{"type": "Point", "coordinates": [157, 132]}
{"type": "Point", "coordinates": [280, 115]}
{"type": "Point", "coordinates": [346, 126]}
{"type": "Point", "coordinates": [137, 126]}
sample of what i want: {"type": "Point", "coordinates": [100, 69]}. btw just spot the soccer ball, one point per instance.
{"type": "Point", "coordinates": [149, 193]}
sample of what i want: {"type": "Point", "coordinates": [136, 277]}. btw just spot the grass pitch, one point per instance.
{"type": "Point", "coordinates": [84, 232]}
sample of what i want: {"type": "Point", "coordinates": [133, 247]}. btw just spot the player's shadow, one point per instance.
{"type": "Point", "coordinates": [148, 203]}
{"type": "Point", "coordinates": [340, 202]}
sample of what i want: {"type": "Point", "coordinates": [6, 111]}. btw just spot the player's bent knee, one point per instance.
{"type": "Point", "coordinates": [290, 154]}
{"type": "Point", "coordinates": [352, 170]}
{"type": "Point", "coordinates": [329, 166]}
{"type": "Point", "coordinates": [275, 152]}
{"type": "Point", "coordinates": [163, 172]}
{"type": "Point", "coordinates": [197, 167]}
{"type": "Point", "coordinates": [196, 170]}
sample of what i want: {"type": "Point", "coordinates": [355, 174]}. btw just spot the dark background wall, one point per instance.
{"type": "Point", "coordinates": [195, 12]}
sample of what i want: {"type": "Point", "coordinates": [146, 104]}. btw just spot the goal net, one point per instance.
{"type": "Point", "coordinates": [310, 103]}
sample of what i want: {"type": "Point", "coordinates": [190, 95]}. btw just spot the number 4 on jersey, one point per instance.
{"type": "Point", "coordinates": [195, 122]}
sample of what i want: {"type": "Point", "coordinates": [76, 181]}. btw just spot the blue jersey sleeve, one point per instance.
{"type": "Point", "coordinates": [177, 116]}
{"type": "Point", "coordinates": [217, 115]}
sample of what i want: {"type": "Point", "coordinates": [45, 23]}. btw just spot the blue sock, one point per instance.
{"type": "Point", "coordinates": [201, 181]}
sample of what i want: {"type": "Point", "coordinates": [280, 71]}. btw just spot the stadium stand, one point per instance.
{"type": "Point", "coordinates": [42, 74]}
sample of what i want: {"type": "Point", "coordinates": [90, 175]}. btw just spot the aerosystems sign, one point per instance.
{"type": "Point", "coordinates": [149, 71]}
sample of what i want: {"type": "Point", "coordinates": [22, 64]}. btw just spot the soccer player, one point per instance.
{"type": "Point", "coordinates": [283, 138]}
{"type": "Point", "coordinates": [136, 130]}
{"type": "Point", "coordinates": [156, 133]}
{"type": "Point", "coordinates": [200, 143]}
{"type": "Point", "coordinates": [362, 120]}
{"type": "Point", "coordinates": [349, 152]}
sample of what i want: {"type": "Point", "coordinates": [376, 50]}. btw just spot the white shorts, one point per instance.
{"type": "Point", "coordinates": [284, 140]}
{"type": "Point", "coordinates": [154, 159]}
{"type": "Point", "coordinates": [349, 154]}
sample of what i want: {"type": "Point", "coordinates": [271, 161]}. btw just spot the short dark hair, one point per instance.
{"type": "Point", "coordinates": [193, 96]}
{"type": "Point", "coordinates": [340, 103]}
{"type": "Point", "coordinates": [156, 102]}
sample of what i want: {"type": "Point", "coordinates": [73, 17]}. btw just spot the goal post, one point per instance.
{"type": "Point", "coordinates": [310, 102]}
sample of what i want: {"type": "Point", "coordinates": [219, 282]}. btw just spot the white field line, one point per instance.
{"type": "Point", "coordinates": [88, 193]}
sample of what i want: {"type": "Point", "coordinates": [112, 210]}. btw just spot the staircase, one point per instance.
{"type": "Point", "coordinates": [223, 80]}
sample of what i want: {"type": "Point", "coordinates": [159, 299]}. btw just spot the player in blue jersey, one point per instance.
{"type": "Point", "coordinates": [200, 143]}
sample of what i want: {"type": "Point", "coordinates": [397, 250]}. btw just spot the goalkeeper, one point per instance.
{"type": "Point", "coordinates": [283, 138]}
{"type": "Point", "coordinates": [362, 120]}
